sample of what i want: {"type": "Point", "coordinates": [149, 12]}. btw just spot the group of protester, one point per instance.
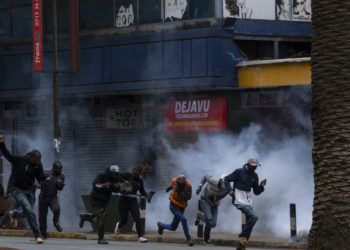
{"type": "Point", "coordinates": [244, 179]}
{"type": "Point", "coordinates": [130, 186]}
{"type": "Point", "coordinates": [25, 170]}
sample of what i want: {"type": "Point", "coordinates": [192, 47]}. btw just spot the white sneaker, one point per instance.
{"type": "Point", "coordinates": [117, 229]}
{"type": "Point", "coordinates": [38, 240]}
{"type": "Point", "coordinates": [143, 239]}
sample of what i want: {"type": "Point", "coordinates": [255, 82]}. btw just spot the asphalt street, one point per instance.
{"type": "Point", "coordinates": [24, 243]}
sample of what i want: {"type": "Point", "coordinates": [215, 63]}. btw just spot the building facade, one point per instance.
{"type": "Point", "coordinates": [151, 74]}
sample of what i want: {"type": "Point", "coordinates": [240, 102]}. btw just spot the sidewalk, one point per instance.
{"type": "Point", "coordinates": [220, 239]}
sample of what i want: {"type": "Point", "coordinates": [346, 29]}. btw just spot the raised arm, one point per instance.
{"type": "Point", "coordinates": [5, 151]}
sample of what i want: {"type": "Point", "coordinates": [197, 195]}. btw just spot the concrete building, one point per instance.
{"type": "Point", "coordinates": [150, 71]}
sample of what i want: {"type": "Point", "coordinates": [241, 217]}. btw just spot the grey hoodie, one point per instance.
{"type": "Point", "coordinates": [212, 192]}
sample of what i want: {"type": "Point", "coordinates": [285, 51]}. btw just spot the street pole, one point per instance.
{"type": "Point", "coordinates": [56, 126]}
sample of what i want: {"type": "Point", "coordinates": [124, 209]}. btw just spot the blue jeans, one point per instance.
{"type": "Point", "coordinates": [25, 198]}
{"type": "Point", "coordinates": [209, 216]}
{"type": "Point", "coordinates": [251, 219]}
{"type": "Point", "coordinates": [178, 216]}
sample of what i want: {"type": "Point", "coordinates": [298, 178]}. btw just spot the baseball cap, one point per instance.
{"type": "Point", "coordinates": [253, 161]}
{"type": "Point", "coordinates": [114, 168]}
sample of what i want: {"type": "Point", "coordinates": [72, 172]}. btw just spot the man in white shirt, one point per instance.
{"type": "Point", "coordinates": [244, 179]}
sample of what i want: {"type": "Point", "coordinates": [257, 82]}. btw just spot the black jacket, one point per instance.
{"type": "Point", "coordinates": [23, 173]}
{"type": "Point", "coordinates": [243, 180]}
{"type": "Point", "coordinates": [101, 194]}
{"type": "Point", "coordinates": [49, 186]}
{"type": "Point", "coordinates": [136, 185]}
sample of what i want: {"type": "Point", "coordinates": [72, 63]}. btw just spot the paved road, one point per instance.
{"type": "Point", "coordinates": [65, 244]}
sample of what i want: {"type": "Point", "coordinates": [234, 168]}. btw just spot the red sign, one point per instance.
{"type": "Point", "coordinates": [37, 36]}
{"type": "Point", "coordinates": [195, 115]}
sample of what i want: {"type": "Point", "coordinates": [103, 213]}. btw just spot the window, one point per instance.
{"type": "Point", "coordinates": [95, 14]}
{"type": "Point", "coordinates": [294, 49]}
{"type": "Point", "coordinates": [22, 22]}
{"type": "Point", "coordinates": [126, 13]}
{"type": "Point", "coordinates": [62, 16]}
{"type": "Point", "coordinates": [255, 50]}
{"type": "Point", "coordinates": [4, 3]}
{"type": "Point", "coordinates": [5, 23]}
{"type": "Point", "coordinates": [150, 11]}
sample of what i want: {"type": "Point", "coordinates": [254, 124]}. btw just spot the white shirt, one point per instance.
{"type": "Point", "coordinates": [243, 198]}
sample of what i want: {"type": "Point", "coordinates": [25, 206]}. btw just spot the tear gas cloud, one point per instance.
{"type": "Point", "coordinates": [286, 164]}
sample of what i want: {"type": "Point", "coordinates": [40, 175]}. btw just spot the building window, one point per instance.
{"type": "Point", "coordinates": [96, 14]}
{"type": "Point", "coordinates": [150, 11]}
{"type": "Point", "coordinates": [256, 50]}
{"type": "Point", "coordinates": [294, 49]}
{"type": "Point", "coordinates": [5, 23]}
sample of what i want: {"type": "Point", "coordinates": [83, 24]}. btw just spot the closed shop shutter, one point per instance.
{"type": "Point", "coordinates": [98, 147]}
{"type": "Point", "coordinates": [165, 168]}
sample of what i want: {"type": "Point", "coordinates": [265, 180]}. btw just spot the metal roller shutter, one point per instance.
{"type": "Point", "coordinates": [165, 169]}
{"type": "Point", "coordinates": [98, 147]}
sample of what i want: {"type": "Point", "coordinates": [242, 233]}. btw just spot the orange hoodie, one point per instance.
{"type": "Point", "coordinates": [175, 198]}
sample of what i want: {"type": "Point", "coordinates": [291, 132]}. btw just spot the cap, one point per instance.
{"type": "Point", "coordinates": [223, 176]}
{"type": "Point", "coordinates": [114, 168]}
{"type": "Point", "coordinates": [181, 179]}
{"type": "Point", "coordinates": [253, 161]}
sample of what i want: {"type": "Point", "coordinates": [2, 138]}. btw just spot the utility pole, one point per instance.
{"type": "Point", "coordinates": [56, 125]}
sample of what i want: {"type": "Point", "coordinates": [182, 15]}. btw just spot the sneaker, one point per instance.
{"type": "Point", "coordinates": [102, 241]}
{"type": "Point", "coordinates": [143, 239]}
{"type": "Point", "coordinates": [208, 242]}
{"type": "Point", "coordinates": [39, 240]}
{"type": "Point", "coordinates": [58, 227]}
{"type": "Point", "coordinates": [190, 242]}
{"type": "Point", "coordinates": [117, 229]}
{"type": "Point", "coordinates": [243, 241]}
{"type": "Point", "coordinates": [44, 236]}
{"type": "Point", "coordinates": [198, 218]}
{"type": "Point", "coordinates": [13, 221]}
{"type": "Point", "coordinates": [160, 228]}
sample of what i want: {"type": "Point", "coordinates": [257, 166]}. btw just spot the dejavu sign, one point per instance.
{"type": "Point", "coordinates": [195, 115]}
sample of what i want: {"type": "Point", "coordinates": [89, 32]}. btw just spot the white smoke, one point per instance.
{"type": "Point", "coordinates": [286, 165]}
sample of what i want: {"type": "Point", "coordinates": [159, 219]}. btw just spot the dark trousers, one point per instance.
{"type": "Point", "coordinates": [128, 204]}
{"type": "Point", "coordinates": [44, 204]}
{"type": "Point", "coordinates": [97, 218]}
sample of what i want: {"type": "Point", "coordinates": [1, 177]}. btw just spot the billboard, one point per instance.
{"type": "Point", "coordinates": [283, 10]}
{"type": "Point", "coordinates": [250, 9]}
{"type": "Point", "coordinates": [192, 115]}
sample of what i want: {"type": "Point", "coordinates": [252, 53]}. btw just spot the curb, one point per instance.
{"type": "Point", "coordinates": [159, 239]}
{"type": "Point", "coordinates": [27, 233]}
{"type": "Point", "coordinates": [217, 242]}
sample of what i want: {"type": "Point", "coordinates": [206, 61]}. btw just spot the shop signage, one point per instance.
{"type": "Point", "coordinates": [195, 115]}
{"type": "Point", "coordinates": [37, 35]}
{"type": "Point", "coordinates": [127, 118]}
{"type": "Point", "coordinates": [261, 99]}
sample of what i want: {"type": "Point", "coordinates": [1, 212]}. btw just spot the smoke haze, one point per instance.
{"type": "Point", "coordinates": [286, 164]}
